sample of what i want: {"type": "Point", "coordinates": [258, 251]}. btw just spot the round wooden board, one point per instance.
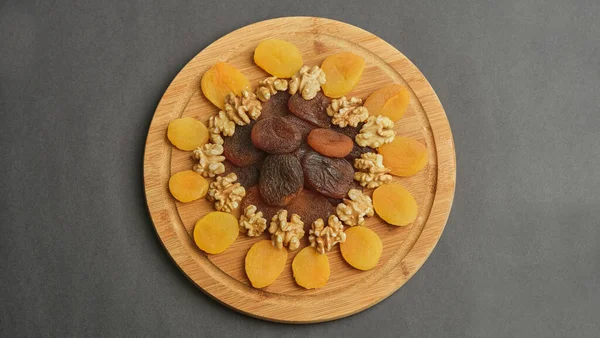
{"type": "Point", "coordinates": [349, 290]}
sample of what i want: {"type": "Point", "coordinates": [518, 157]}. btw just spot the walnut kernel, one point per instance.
{"type": "Point", "coordinates": [322, 237]}
{"type": "Point", "coordinates": [220, 125]}
{"type": "Point", "coordinates": [210, 160]}
{"type": "Point", "coordinates": [372, 173]}
{"type": "Point", "coordinates": [378, 131]}
{"type": "Point", "coordinates": [353, 211]}
{"type": "Point", "coordinates": [346, 112]}
{"type": "Point", "coordinates": [270, 86]}
{"type": "Point", "coordinates": [284, 232]}
{"type": "Point", "coordinates": [240, 109]}
{"type": "Point", "coordinates": [252, 222]}
{"type": "Point", "coordinates": [307, 81]}
{"type": "Point", "coordinates": [226, 194]}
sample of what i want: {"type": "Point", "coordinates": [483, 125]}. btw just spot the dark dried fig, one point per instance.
{"type": "Point", "coordinates": [253, 198]}
{"type": "Point", "coordinates": [277, 105]}
{"type": "Point", "coordinates": [276, 135]}
{"type": "Point", "coordinates": [304, 126]}
{"type": "Point", "coordinates": [310, 206]}
{"type": "Point", "coordinates": [331, 177]}
{"type": "Point", "coordinates": [239, 149]}
{"type": "Point", "coordinates": [281, 179]}
{"type": "Point", "coordinates": [313, 111]}
{"type": "Point", "coordinates": [246, 176]}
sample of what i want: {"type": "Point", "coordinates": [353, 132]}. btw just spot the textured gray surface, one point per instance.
{"type": "Point", "coordinates": [519, 81]}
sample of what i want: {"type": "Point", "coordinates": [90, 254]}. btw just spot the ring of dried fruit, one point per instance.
{"type": "Point", "coordinates": [288, 135]}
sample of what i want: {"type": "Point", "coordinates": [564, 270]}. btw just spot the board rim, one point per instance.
{"type": "Point", "coordinates": [447, 180]}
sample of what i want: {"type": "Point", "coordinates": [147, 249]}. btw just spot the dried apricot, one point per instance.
{"type": "Point", "coordinates": [310, 206]}
{"type": "Point", "coordinates": [362, 248]}
{"type": "Point", "coordinates": [395, 205]}
{"type": "Point", "coordinates": [253, 197]}
{"type": "Point", "coordinates": [264, 263]}
{"type": "Point", "coordinates": [276, 136]}
{"type": "Point", "coordinates": [311, 269]}
{"type": "Point", "coordinates": [278, 57]}
{"type": "Point", "coordinates": [187, 186]}
{"type": "Point", "coordinates": [220, 80]}
{"type": "Point", "coordinates": [404, 156]}
{"type": "Point", "coordinates": [329, 142]}
{"type": "Point", "coordinates": [277, 105]}
{"type": "Point", "coordinates": [216, 231]}
{"type": "Point", "coordinates": [331, 177]}
{"type": "Point", "coordinates": [303, 126]}
{"type": "Point", "coordinates": [239, 149]}
{"type": "Point", "coordinates": [246, 176]}
{"type": "Point", "coordinates": [187, 133]}
{"type": "Point", "coordinates": [313, 110]}
{"type": "Point", "coordinates": [280, 179]}
{"type": "Point", "coordinates": [391, 101]}
{"type": "Point", "coordinates": [301, 151]}
{"type": "Point", "coordinates": [343, 71]}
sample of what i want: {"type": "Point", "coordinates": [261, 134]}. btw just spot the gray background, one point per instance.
{"type": "Point", "coordinates": [519, 80]}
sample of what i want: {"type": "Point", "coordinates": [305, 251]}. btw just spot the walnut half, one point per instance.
{"type": "Point", "coordinates": [252, 222]}
{"type": "Point", "coordinates": [378, 131]}
{"type": "Point", "coordinates": [322, 237]}
{"type": "Point", "coordinates": [353, 211]}
{"type": "Point", "coordinates": [269, 87]}
{"type": "Point", "coordinates": [372, 173]}
{"type": "Point", "coordinates": [226, 194]}
{"type": "Point", "coordinates": [220, 125]}
{"type": "Point", "coordinates": [284, 232]}
{"type": "Point", "coordinates": [346, 112]}
{"type": "Point", "coordinates": [210, 160]}
{"type": "Point", "coordinates": [240, 109]}
{"type": "Point", "coordinates": [307, 81]}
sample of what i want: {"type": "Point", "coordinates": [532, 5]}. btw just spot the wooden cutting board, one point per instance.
{"type": "Point", "coordinates": [349, 290]}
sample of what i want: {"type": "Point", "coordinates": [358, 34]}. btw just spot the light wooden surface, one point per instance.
{"type": "Point", "coordinates": [349, 290]}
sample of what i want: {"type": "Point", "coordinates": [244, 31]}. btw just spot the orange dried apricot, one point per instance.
{"type": "Point", "coordinates": [391, 101]}
{"type": "Point", "coordinates": [330, 143]}
{"type": "Point", "coordinates": [404, 156]}
{"type": "Point", "coordinates": [187, 133]}
{"type": "Point", "coordinates": [187, 186]}
{"type": "Point", "coordinates": [215, 232]}
{"type": "Point", "coordinates": [278, 57]}
{"type": "Point", "coordinates": [264, 263]}
{"type": "Point", "coordinates": [362, 248]}
{"type": "Point", "coordinates": [220, 80]}
{"type": "Point", "coordinates": [311, 269]}
{"type": "Point", "coordinates": [395, 205]}
{"type": "Point", "coordinates": [343, 71]}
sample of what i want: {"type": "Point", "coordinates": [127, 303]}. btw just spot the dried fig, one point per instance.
{"type": "Point", "coordinates": [276, 135]}
{"type": "Point", "coordinates": [313, 111]}
{"type": "Point", "coordinates": [281, 179]}
{"type": "Point", "coordinates": [331, 177]}
{"type": "Point", "coordinates": [238, 148]}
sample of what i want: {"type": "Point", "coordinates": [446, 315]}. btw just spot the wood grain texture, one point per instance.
{"type": "Point", "coordinates": [348, 291]}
